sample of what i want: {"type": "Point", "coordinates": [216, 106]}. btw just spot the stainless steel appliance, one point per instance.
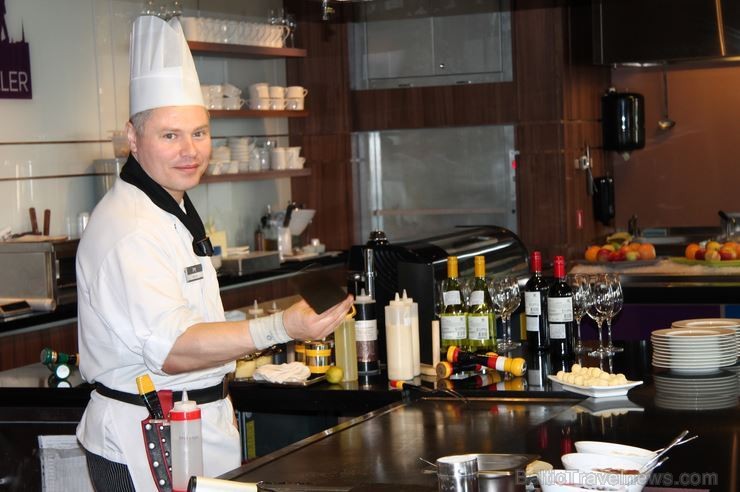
{"type": "Point", "coordinates": [41, 273]}
{"type": "Point", "coordinates": [420, 266]}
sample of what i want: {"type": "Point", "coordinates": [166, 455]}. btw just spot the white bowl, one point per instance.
{"type": "Point", "coordinates": [572, 481]}
{"type": "Point", "coordinates": [590, 462]}
{"type": "Point", "coordinates": [640, 455]}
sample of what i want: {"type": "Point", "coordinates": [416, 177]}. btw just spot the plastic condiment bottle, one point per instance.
{"type": "Point", "coordinates": [414, 313]}
{"type": "Point", "coordinates": [398, 340]}
{"type": "Point", "coordinates": [187, 442]}
{"type": "Point", "coordinates": [366, 334]}
{"type": "Point", "coordinates": [345, 349]}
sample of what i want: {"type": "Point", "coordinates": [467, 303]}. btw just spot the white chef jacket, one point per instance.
{"type": "Point", "coordinates": [134, 300]}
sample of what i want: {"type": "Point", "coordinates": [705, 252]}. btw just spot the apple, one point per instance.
{"type": "Point", "coordinates": [603, 255]}
{"type": "Point", "coordinates": [632, 256]}
{"type": "Point", "coordinates": [615, 256]}
{"type": "Point", "coordinates": [699, 254]}
{"type": "Point", "coordinates": [712, 255]}
{"type": "Point", "coordinates": [713, 245]}
{"type": "Point", "coordinates": [727, 253]}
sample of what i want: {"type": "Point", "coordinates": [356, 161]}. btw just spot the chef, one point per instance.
{"type": "Point", "coordinates": [148, 295]}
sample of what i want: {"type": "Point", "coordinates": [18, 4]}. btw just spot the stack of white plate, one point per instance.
{"type": "Point", "coordinates": [694, 350]}
{"type": "Point", "coordinates": [732, 323]}
{"type": "Point", "coordinates": [239, 148]}
{"type": "Point", "coordinates": [696, 392]}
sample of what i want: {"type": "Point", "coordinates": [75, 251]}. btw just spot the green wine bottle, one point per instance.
{"type": "Point", "coordinates": [453, 322]}
{"type": "Point", "coordinates": [481, 333]}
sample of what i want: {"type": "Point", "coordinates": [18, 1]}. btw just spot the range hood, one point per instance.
{"type": "Point", "coordinates": [645, 32]}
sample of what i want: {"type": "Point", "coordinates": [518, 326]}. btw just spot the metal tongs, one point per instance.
{"type": "Point", "coordinates": [423, 389]}
{"type": "Point", "coordinates": [656, 461]}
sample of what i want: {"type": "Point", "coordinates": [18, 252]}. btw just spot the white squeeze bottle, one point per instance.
{"type": "Point", "coordinates": [398, 340]}
{"type": "Point", "coordinates": [414, 313]}
{"type": "Point", "coordinates": [187, 443]}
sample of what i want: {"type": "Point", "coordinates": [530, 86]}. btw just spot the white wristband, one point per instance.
{"type": "Point", "coordinates": [267, 331]}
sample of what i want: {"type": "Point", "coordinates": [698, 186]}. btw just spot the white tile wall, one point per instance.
{"type": "Point", "coordinates": [79, 69]}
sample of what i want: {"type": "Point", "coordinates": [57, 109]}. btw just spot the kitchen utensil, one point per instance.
{"type": "Point", "coordinates": [47, 221]}
{"type": "Point", "coordinates": [658, 456]}
{"type": "Point", "coordinates": [34, 222]}
{"type": "Point", "coordinates": [665, 123]}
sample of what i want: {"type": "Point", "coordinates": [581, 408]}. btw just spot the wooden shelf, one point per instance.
{"type": "Point", "coordinates": [254, 113]}
{"type": "Point", "coordinates": [243, 51]}
{"type": "Point", "coordinates": [256, 176]}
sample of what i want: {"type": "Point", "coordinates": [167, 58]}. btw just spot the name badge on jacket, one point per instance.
{"type": "Point", "coordinates": [193, 273]}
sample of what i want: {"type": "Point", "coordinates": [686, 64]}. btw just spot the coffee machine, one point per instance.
{"type": "Point", "coordinates": [383, 269]}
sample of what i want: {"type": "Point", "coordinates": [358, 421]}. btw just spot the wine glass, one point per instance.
{"type": "Point", "coordinates": [291, 22]}
{"type": "Point", "coordinates": [617, 302]}
{"type": "Point", "coordinates": [581, 299]}
{"type": "Point", "coordinates": [506, 298]}
{"type": "Point", "coordinates": [599, 300]}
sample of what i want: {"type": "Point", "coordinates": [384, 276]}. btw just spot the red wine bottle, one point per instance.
{"type": "Point", "coordinates": [535, 305]}
{"type": "Point", "coordinates": [560, 312]}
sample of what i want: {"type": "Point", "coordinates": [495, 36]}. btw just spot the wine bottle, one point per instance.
{"type": "Point", "coordinates": [560, 312]}
{"type": "Point", "coordinates": [481, 336]}
{"type": "Point", "coordinates": [452, 317]}
{"type": "Point", "coordinates": [535, 305]}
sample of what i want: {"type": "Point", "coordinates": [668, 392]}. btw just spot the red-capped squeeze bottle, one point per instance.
{"type": "Point", "coordinates": [187, 443]}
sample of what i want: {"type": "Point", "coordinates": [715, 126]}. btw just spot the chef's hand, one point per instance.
{"type": "Point", "coordinates": [302, 323]}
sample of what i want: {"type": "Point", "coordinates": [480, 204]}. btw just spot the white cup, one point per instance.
{"type": "Point", "coordinates": [296, 91]}
{"type": "Point", "coordinates": [260, 90]}
{"type": "Point", "coordinates": [216, 103]}
{"type": "Point", "coordinates": [277, 34]}
{"type": "Point", "coordinates": [261, 103]}
{"type": "Point", "coordinates": [230, 90]}
{"type": "Point", "coordinates": [297, 164]}
{"type": "Point", "coordinates": [277, 91]}
{"type": "Point", "coordinates": [277, 104]}
{"type": "Point", "coordinates": [278, 159]}
{"type": "Point", "coordinates": [191, 27]}
{"type": "Point", "coordinates": [233, 102]}
{"type": "Point", "coordinates": [292, 154]}
{"type": "Point", "coordinates": [294, 103]}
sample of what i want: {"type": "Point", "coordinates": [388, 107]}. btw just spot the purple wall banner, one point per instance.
{"type": "Point", "coordinates": [15, 63]}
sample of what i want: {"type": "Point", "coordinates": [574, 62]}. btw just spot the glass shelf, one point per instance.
{"type": "Point", "coordinates": [255, 176]}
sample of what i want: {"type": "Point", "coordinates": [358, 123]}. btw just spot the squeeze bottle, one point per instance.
{"type": "Point", "coordinates": [187, 442]}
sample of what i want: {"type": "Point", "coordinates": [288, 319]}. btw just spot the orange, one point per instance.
{"type": "Point", "coordinates": [591, 253]}
{"type": "Point", "coordinates": [647, 251]}
{"type": "Point", "coordinates": [634, 246]}
{"type": "Point", "coordinates": [691, 250]}
{"type": "Point", "coordinates": [730, 244]}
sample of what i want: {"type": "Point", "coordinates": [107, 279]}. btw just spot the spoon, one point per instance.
{"type": "Point", "coordinates": [665, 123]}
{"type": "Point", "coordinates": [664, 450]}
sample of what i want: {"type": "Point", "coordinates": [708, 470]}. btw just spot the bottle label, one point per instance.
{"type": "Point", "coordinates": [476, 297]}
{"type": "Point", "coordinates": [453, 327]}
{"type": "Point", "coordinates": [560, 309]}
{"type": "Point", "coordinates": [452, 298]}
{"type": "Point", "coordinates": [532, 304]}
{"type": "Point", "coordinates": [557, 331]}
{"type": "Point", "coordinates": [478, 327]}
{"type": "Point", "coordinates": [366, 330]}
{"type": "Point", "coordinates": [533, 323]}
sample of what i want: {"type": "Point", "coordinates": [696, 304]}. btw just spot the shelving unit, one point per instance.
{"type": "Point", "coordinates": [243, 51]}
{"type": "Point", "coordinates": [250, 52]}
{"type": "Point", "coordinates": [254, 113]}
{"type": "Point", "coordinates": [255, 176]}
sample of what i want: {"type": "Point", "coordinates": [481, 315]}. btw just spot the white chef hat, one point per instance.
{"type": "Point", "coordinates": [162, 68]}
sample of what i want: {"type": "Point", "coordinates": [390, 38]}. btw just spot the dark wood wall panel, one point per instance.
{"type": "Point", "coordinates": [328, 189]}
{"type": "Point", "coordinates": [429, 107]}
{"type": "Point", "coordinates": [324, 135]}
{"type": "Point", "coordinates": [24, 348]}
